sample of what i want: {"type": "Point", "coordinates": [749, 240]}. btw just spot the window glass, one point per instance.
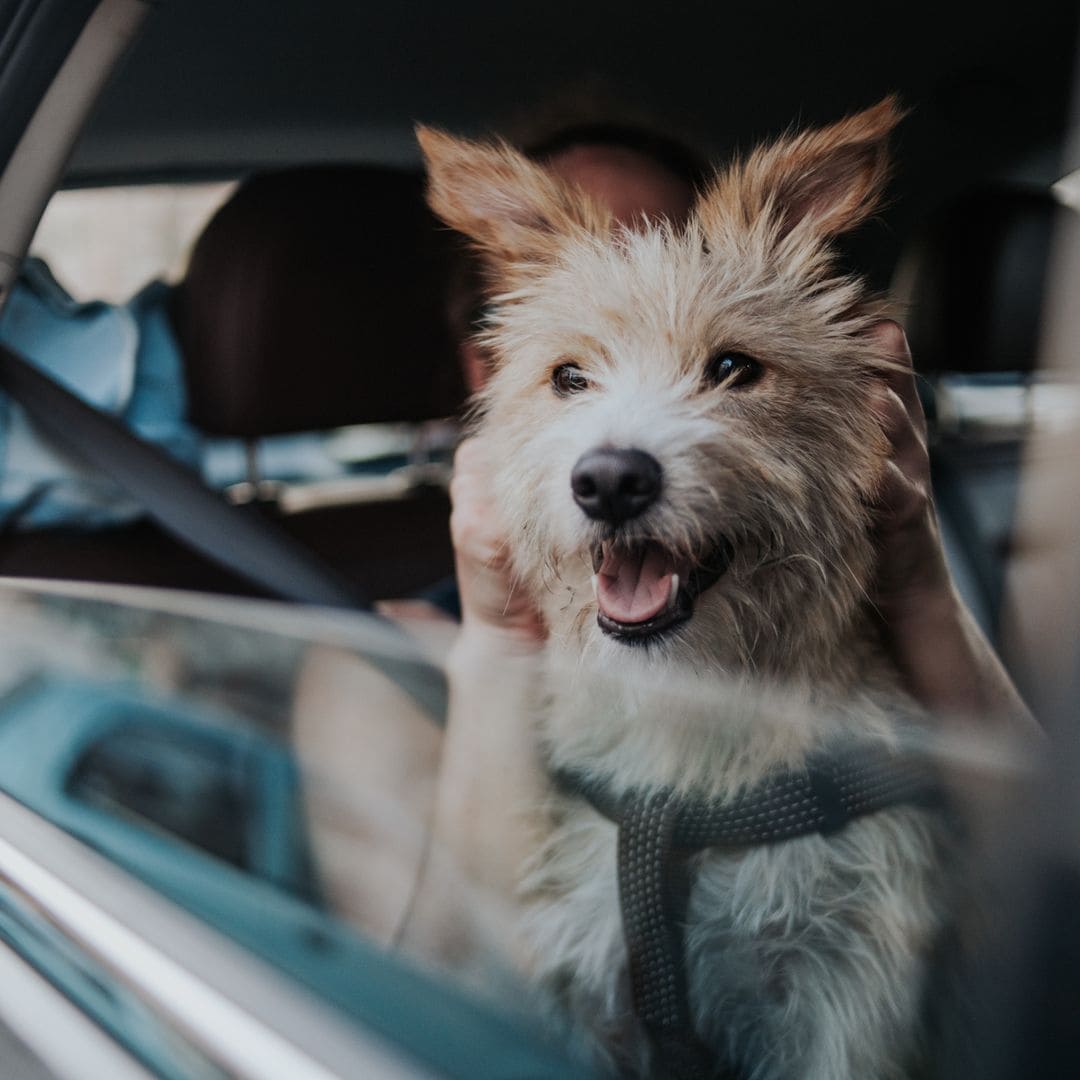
{"type": "Point", "coordinates": [258, 766]}
{"type": "Point", "coordinates": [193, 788]}
{"type": "Point", "coordinates": [107, 243]}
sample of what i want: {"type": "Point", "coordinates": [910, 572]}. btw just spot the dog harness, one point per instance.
{"type": "Point", "coordinates": [658, 831]}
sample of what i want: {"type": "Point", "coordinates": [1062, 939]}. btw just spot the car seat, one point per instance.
{"type": "Point", "coordinates": [313, 299]}
{"type": "Point", "coordinates": [973, 283]}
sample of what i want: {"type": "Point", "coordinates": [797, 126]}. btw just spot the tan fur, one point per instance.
{"type": "Point", "coordinates": [806, 957]}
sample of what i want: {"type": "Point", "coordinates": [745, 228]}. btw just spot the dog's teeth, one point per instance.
{"type": "Point", "coordinates": [673, 592]}
{"type": "Point", "coordinates": [593, 582]}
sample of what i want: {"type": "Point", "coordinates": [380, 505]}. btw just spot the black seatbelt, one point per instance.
{"type": "Point", "coordinates": [251, 546]}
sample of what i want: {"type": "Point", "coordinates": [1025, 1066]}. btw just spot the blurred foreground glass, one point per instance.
{"type": "Point", "coordinates": [174, 734]}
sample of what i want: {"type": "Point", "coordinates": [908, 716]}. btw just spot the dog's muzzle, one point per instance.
{"type": "Point", "coordinates": [642, 591]}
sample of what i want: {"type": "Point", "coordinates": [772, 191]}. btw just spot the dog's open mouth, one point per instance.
{"type": "Point", "coordinates": [643, 591]}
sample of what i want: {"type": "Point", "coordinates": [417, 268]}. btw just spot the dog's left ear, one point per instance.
{"type": "Point", "coordinates": [512, 209]}
{"type": "Point", "coordinates": [820, 183]}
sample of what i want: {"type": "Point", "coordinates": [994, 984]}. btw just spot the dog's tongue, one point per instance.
{"type": "Point", "coordinates": [633, 587]}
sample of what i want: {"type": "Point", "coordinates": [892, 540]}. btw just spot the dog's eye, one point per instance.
{"type": "Point", "coordinates": [568, 379]}
{"type": "Point", "coordinates": [732, 369]}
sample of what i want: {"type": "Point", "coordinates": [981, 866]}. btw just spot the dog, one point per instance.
{"type": "Point", "coordinates": [686, 457]}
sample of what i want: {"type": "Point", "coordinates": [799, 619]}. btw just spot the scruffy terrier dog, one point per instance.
{"type": "Point", "coordinates": [685, 452]}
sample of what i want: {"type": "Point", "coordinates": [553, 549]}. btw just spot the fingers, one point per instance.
{"type": "Point", "coordinates": [904, 498]}
{"type": "Point", "coordinates": [908, 441]}
{"type": "Point", "coordinates": [904, 494]}
{"type": "Point", "coordinates": [471, 455]}
{"type": "Point", "coordinates": [900, 380]}
{"type": "Point", "coordinates": [474, 523]}
{"type": "Point", "coordinates": [489, 597]}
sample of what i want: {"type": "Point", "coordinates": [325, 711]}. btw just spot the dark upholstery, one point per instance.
{"type": "Point", "coordinates": [388, 549]}
{"type": "Point", "coordinates": [313, 299]}
{"type": "Point", "coordinates": [975, 281]}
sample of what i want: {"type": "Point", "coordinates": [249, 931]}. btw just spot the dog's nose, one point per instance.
{"type": "Point", "coordinates": [615, 485]}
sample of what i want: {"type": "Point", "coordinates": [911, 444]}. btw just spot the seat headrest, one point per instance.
{"type": "Point", "coordinates": [314, 298]}
{"type": "Point", "coordinates": [973, 281]}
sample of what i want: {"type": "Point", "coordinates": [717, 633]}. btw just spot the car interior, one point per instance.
{"type": "Point", "coordinates": [289, 287]}
{"type": "Point", "coordinates": [319, 398]}
{"type": "Point", "coordinates": [316, 298]}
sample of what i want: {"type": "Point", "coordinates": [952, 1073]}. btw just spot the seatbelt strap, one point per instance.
{"type": "Point", "coordinates": [251, 546]}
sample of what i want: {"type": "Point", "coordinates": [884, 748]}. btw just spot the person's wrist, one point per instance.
{"type": "Point", "coordinates": [922, 610]}
{"type": "Point", "coordinates": [920, 586]}
{"type": "Point", "coordinates": [496, 622]}
{"type": "Point", "coordinates": [489, 669]}
{"type": "Point", "coordinates": [481, 642]}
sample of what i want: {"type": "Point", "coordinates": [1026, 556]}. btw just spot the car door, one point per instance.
{"type": "Point", "coordinates": [155, 864]}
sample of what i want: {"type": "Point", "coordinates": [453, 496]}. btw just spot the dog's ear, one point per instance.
{"type": "Point", "coordinates": [821, 182]}
{"type": "Point", "coordinates": [514, 210]}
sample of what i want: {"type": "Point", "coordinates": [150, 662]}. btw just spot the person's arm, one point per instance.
{"type": "Point", "coordinates": [490, 779]}
{"type": "Point", "coordinates": [490, 771]}
{"type": "Point", "coordinates": [948, 665]}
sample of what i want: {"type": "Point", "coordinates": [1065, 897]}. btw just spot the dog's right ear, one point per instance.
{"type": "Point", "coordinates": [512, 209]}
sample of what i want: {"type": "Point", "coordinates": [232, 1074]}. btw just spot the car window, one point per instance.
{"type": "Point", "coordinates": [165, 734]}
{"type": "Point", "coordinates": [264, 768]}
{"type": "Point", "coordinates": [107, 243]}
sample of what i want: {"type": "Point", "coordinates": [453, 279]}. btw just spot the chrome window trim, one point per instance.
{"type": "Point", "coordinates": [358, 630]}
{"type": "Point", "coordinates": [36, 1011]}
{"type": "Point", "coordinates": [229, 1006]}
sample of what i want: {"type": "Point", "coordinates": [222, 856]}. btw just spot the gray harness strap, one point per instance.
{"type": "Point", "coordinates": [659, 829]}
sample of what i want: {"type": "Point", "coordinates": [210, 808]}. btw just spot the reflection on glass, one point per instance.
{"type": "Point", "coordinates": [194, 788]}
{"type": "Point", "coordinates": [257, 766]}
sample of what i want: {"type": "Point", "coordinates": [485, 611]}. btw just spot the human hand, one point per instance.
{"type": "Point", "coordinates": [912, 573]}
{"type": "Point", "coordinates": [489, 599]}
{"type": "Point", "coordinates": [490, 768]}
{"type": "Point", "coordinates": [932, 637]}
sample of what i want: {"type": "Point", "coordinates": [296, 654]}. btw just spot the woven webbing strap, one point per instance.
{"type": "Point", "coordinates": [652, 894]}
{"type": "Point", "coordinates": [659, 829]}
